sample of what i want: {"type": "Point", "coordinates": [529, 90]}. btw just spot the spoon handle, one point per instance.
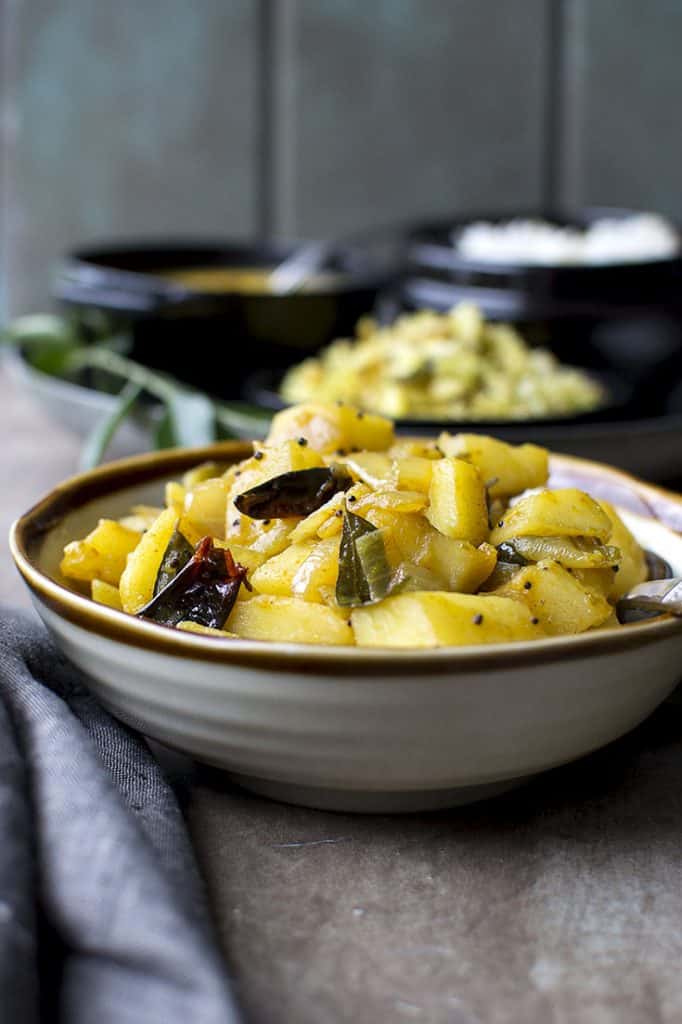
{"type": "Point", "coordinates": [655, 595]}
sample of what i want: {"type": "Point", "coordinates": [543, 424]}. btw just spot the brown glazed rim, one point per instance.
{"type": "Point", "coordinates": [661, 505]}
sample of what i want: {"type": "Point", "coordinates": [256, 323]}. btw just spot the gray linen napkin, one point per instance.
{"type": "Point", "coordinates": [102, 914]}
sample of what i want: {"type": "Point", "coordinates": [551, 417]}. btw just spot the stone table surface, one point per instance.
{"type": "Point", "coordinates": [560, 903]}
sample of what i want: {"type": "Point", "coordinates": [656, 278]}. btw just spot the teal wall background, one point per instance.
{"type": "Point", "coordinates": [305, 117]}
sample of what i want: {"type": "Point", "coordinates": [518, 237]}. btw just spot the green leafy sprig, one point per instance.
{"type": "Point", "coordinates": [54, 345]}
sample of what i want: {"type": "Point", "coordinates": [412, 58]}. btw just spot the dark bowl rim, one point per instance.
{"type": "Point", "coordinates": [85, 269]}
{"type": "Point", "coordinates": [82, 611]}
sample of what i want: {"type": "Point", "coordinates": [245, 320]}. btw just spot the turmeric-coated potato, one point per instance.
{"type": "Point", "coordinates": [505, 469]}
{"type": "Point", "coordinates": [139, 575]}
{"type": "Point", "coordinates": [430, 619]}
{"type": "Point", "coordinates": [457, 501]}
{"type": "Point", "coordinates": [568, 513]}
{"type": "Point", "coordinates": [290, 620]}
{"type": "Point", "coordinates": [557, 599]}
{"type": "Point", "coordinates": [102, 554]}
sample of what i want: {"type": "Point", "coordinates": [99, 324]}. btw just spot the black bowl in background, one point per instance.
{"type": "Point", "coordinates": [529, 291]}
{"type": "Point", "coordinates": [212, 340]}
{"type": "Point", "coordinates": [626, 317]}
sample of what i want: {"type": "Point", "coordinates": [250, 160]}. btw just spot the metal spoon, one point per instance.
{"type": "Point", "coordinates": [654, 596]}
{"type": "Point", "coordinates": [296, 269]}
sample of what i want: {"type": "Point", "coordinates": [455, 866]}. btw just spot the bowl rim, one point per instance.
{"type": "Point", "coordinates": [88, 271]}
{"type": "Point", "coordinates": [81, 489]}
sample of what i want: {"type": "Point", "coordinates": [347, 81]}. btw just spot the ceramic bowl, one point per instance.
{"type": "Point", "coordinates": [347, 728]}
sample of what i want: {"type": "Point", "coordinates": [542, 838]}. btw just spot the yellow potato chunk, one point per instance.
{"type": "Point", "coordinates": [505, 469]}
{"type": "Point", "coordinates": [205, 509]}
{"type": "Point", "coordinates": [196, 627]}
{"type": "Point", "coordinates": [414, 473]}
{"type": "Point", "coordinates": [409, 447]}
{"type": "Point", "coordinates": [331, 527]}
{"type": "Point", "coordinates": [461, 566]}
{"type": "Point", "coordinates": [175, 495]}
{"type": "Point", "coordinates": [457, 501]}
{"type": "Point", "coordinates": [434, 619]}
{"type": "Point", "coordinates": [268, 538]}
{"type": "Point", "coordinates": [373, 468]}
{"type": "Point", "coordinates": [139, 575]}
{"type": "Point", "coordinates": [105, 593]}
{"type": "Point", "coordinates": [410, 533]}
{"type": "Point", "coordinates": [289, 620]}
{"type": "Point", "coordinates": [288, 457]}
{"type": "Point", "coordinates": [247, 557]}
{"type": "Point", "coordinates": [141, 517]}
{"type": "Point", "coordinates": [554, 596]}
{"type": "Point", "coordinates": [325, 522]}
{"type": "Point", "coordinates": [317, 575]}
{"type": "Point", "coordinates": [102, 554]}
{"type": "Point", "coordinates": [632, 567]}
{"type": "Point", "coordinates": [600, 581]}
{"type": "Point", "coordinates": [276, 575]}
{"type": "Point", "coordinates": [390, 500]}
{"type": "Point", "coordinates": [197, 475]}
{"type": "Point", "coordinates": [308, 528]}
{"type": "Point", "coordinates": [568, 512]}
{"type": "Point", "coordinates": [329, 428]}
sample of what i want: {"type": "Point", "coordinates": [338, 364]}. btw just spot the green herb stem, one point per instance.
{"type": "Point", "coordinates": [99, 439]}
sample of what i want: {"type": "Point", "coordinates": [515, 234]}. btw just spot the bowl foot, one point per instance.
{"type": "Point", "coordinates": [379, 802]}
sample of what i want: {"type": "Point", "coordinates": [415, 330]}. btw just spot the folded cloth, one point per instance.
{"type": "Point", "coordinates": [102, 914]}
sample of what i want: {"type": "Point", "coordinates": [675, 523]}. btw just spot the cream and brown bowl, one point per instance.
{"type": "Point", "coordinates": [348, 728]}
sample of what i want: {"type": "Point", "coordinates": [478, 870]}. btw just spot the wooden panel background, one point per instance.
{"type": "Point", "coordinates": [309, 117]}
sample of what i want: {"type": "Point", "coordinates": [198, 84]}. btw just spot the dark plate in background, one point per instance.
{"type": "Point", "coordinates": [213, 340]}
{"type": "Point", "coordinates": [625, 317]}
{"type": "Point", "coordinates": [649, 445]}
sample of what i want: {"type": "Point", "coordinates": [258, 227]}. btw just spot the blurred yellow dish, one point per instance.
{"type": "Point", "coordinates": [245, 280]}
{"type": "Point", "coordinates": [443, 366]}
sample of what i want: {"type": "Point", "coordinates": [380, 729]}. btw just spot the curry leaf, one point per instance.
{"type": "Point", "coordinates": [175, 558]}
{"type": "Point", "coordinates": [164, 437]}
{"type": "Point", "coordinates": [47, 341]}
{"type": "Point", "coordinates": [64, 348]}
{"type": "Point", "coordinates": [352, 587]}
{"type": "Point", "coordinates": [364, 573]}
{"type": "Point", "coordinates": [192, 417]}
{"type": "Point", "coordinates": [99, 439]}
{"type": "Point", "coordinates": [297, 493]}
{"type": "Point", "coordinates": [204, 591]}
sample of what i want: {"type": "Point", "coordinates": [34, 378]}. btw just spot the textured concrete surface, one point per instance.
{"type": "Point", "coordinates": [558, 904]}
